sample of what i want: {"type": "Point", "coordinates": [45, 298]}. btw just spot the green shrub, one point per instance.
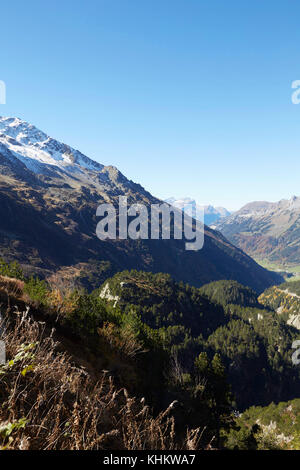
{"type": "Point", "coordinates": [37, 290]}
{"type": "Point", "coordinates": [12, 269]}
{"type": "Point", "coordinates": [88, 315]}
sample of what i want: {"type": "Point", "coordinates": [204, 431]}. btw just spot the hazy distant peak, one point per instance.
{"type": "Point", "coordinates": [211, 213]}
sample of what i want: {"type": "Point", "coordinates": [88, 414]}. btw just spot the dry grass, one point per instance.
{"type": "Point", "coordinates": [48, 403]}
{"type": "Point", "coordinates": [124, 342]}
{"type": "Point", "coordinates": [11, 290]}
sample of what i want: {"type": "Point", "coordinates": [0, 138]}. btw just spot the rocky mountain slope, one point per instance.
{"type": "Point", "coordinates": [49, 193]}
{"type": "Point", "coordinates": [285, 300]}
{"type": "Point", "coordinates": [267, 231]}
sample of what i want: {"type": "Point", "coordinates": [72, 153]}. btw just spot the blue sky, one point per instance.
{"type": "Point", "coordinates": [187, 97]}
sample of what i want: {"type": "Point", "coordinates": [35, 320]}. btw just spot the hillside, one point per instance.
{"type": "Point", "coordinates": [230, 292]}
{"type": "Point", "coordinates": [254, 344]}
{"type": "Point", "coordinates": [53, 400]}
{"type": "Point", "coordinates": [269, 232]}
{"type": "Point", "coordinates": [274, 427]}
{"type": "Point", "coordinates": [285, 300]}
{"type": "Point", "coordinates": [80, 375]}
{"type": "Point", "coordinates": [138, 339]}
{"type": "Point", "coordinates": [49, 193]}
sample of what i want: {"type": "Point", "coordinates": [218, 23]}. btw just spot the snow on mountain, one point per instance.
{"type": "Point", "coordinates": [35, 149]}
{"type": "Point", "coordinates": [211, 214]}
{"type": "Point", "coordinates": [48, 201]}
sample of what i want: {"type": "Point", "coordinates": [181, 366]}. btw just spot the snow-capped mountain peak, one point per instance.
{"type": "Point", "coordinates": [21, 131]}
{"type": "Point", "coordinates": [36, 150]}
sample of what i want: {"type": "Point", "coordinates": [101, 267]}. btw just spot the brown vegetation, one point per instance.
{"type": "Point", "coordinates": [48, 403]}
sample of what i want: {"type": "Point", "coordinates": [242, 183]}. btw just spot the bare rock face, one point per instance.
{"type": "Point", "coordinates": [294, 320]}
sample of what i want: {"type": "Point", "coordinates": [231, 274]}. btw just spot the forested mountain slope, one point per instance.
{"type": "Point", "coordinates": [142, 335]}
{"type": "Point", "coordinates": [254, 344]}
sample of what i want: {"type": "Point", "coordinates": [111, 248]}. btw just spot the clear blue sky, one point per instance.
{"type": "Point", "coordinates": [187, 97]}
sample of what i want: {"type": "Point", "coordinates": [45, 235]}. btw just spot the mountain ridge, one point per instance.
{"type": "Point", "coordinates": [48, 219]}
{"type": "Point", "coordinates": [266, 230]}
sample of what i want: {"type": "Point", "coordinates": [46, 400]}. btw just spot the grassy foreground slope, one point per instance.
{"type": "Point", "coordinates": [77, 361]}
{"type": "Point", "coordinates": [81, 376]}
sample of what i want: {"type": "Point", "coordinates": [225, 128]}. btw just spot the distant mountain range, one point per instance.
{"type": "Point", "coordinates": [267, 231]}
{"type": "Point", "coordinates": [211, 214]}
{"type": "Point", "coordinates": [49, 193]}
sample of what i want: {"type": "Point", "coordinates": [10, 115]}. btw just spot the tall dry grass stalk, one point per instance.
{"type": "Point", "coordinates": [48, 403]}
